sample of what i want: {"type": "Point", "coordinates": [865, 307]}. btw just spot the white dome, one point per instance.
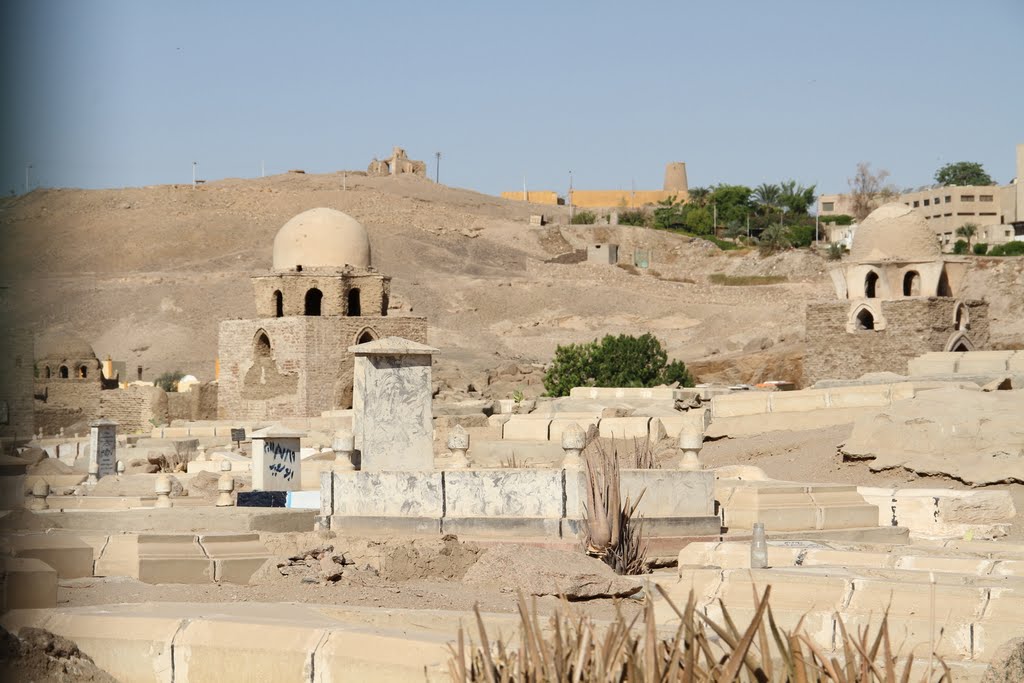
{"type": "Point", "coordinates": [321, 238]}
{"type": "Point", "coordinates": [894, 232]}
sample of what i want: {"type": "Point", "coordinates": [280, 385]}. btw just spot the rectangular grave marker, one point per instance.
{"type": "Point", "coordinates": [276, 465]}
{"type": "Point", "coordinates": [103, 447]}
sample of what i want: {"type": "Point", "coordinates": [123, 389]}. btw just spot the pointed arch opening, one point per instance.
{"type": "Point", "coordinates": [961, 317]}
{"type": "Point", "coordinates": [278, 304]}
{"type": "Point", "coordinates": [959, 342]}
{"type": "Point", "coordinates": [912, 283]}
{"type": "Point", "coordinates": [261, 345]}
{"type": "Point", "coordinates": [83, 372]}
{"type": "Point", "coordinates": [314, 299]}
{"type": "Point", "coordinates": [865, 320]}
{"type": "Point", "coordinates": [63, 372]}
{"type": "Point", "coordinates": [944, 289]}
{"type": "Point", "coordinates": [46, 372]}
{"type": "Point", "coordinates": [354, 307]}
{"type": "Point", "coordinates": [366, 335]}
{"type": "Point", "coordinates": [871, 285]}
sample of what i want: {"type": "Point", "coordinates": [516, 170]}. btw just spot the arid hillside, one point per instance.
{"type": "Point", "coordinates": [145, 275]}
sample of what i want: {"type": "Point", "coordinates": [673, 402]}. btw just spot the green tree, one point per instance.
{"type": "Point", "coordinates": [732, 202]}
{"type": "Point", "coordinates": [967, 231]}
{"type": "Point", "coordinates": [699, 196]}
{"type": "Point", "coordinates": [669, 214]}
{"type": "Point", "coordinates": [963, 173]}
{"type": "Point", "coordinates": [622, 361]}
{"type": "Point", "coordinates": [796, 198]}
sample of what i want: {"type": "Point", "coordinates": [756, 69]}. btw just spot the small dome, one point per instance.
{"type": "Point", "coordinates": [63, 346]}
{"type": "Point", "coordinates": [894, 232]}
{"type": "Point", "coordinates": [321, 238]}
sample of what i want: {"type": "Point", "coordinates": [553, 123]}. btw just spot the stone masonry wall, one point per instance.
{"type": "Point", "coordinates": [198, 403]}
{"type": "Point", "coordinates": [67, 401]}
{"type": "Point", "coordinates": [913, 327]}
{"type": "Point", "coordinates": [16, 384]}
{"type": "Point", "coordinates": [373, 292]}
{"type": "Point", "coordinates": [135, 409]}
{"type": "Point", "coordinates": [308, 369]}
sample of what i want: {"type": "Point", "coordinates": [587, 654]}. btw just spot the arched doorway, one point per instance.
{"type": "Point", "coordinates": [83, 372]}
{"type": "Point", "coordinates": [63, 372]}
{"type": "Point", "coordinates": [865, 320]}
{"type": "Point", "coordinates": [912, 283]}
{"type": "Point", "coordinates": [46, 372]}
{"type": "Point", "coordinates": [871, 285]}
{"type": "Point", "coordinates": [314, 298]}
{"type": "Point", "coordinates": [278, 304]}
{"type": "Point", "coordinates": [944, 288]}
{"type": "Point", "coordinates": [354, 308]}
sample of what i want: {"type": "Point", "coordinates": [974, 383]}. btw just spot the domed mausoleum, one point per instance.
{"type": "Point", "coordinates": [321, 295]}
{"type": "Point", "coordinates": [899, 297]}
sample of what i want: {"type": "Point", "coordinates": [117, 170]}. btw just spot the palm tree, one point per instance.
{"type": "Point", "coordinates": [967, 231]}
{"type": "Point", "coordinates": [767, 195]}
{"type": "Point", "coordinates": [699, 196]}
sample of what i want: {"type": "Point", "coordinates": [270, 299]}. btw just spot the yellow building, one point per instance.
{"type": "Point", "coordinates": [675, 185]}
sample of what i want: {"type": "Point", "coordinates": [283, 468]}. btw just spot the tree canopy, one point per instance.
{"type": "Point", "coordinates": [963, 173]}
{"type": "Point", "coordinates": [622, 361]}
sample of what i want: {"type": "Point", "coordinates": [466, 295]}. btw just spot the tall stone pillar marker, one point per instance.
{"type": "Point", "coordinates": [391, 405]}
{"type": "Point", "coordinates": [276, 461]}
{"type": "Point", "coordinates": [103, 447]}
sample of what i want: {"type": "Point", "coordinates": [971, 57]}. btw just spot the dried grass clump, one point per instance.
{"type": "Point", "coordinates": [572, 649]}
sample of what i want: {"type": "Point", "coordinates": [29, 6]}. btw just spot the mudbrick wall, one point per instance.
{"type": "Point", "coordinates": [60, 403]}
{"type": "Point", "coordinates": [135, 409]}
{"type": "Point", "coordinates": [296, 366]}
{"type": "Point", "coordinates": [199, 403]}
{"type": "Point", "coordinates": [16, 384]}
{"type": "Point", "coordinates": [913, 326]}
{"type": "Point", "coordinates": [373, 289]}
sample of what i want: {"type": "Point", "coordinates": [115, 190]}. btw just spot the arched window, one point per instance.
{"type": "Point", "coordinates": [313, 299]}
{"type": "Point", "coordinates": [912, 283]}
{"type": "Point", "coordinates": [865, 321]}
{"type": "Point", "coordinates": [82, 372]}
{"type": "Point", "coordinates": [262, 347]}
{"type": "Point", "coordinates": [278, 304]}
{"type": "Point", "coordinates": [871, 285]}
{"type": "Point", "coordinates": [961, 346]}
{"type": "Point", "coordinates": [46, 372]}
{"type": "Point", "coordinates": [353, 302]}
{"type": "Point", "coordinates": [63, 372]}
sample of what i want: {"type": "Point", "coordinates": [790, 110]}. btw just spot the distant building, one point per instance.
{"type": "Point", "coordinates": [996, 210]}
{"type": "Point", "coordinates": [675, 185]}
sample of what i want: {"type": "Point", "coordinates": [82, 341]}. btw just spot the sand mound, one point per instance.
{"type": "Point", "coordinates": [41, 657]}
{"type": "Point", "coordinates": [543, 571]}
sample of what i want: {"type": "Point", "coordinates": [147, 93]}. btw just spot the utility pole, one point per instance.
{"type": "Point", "coordinates": [193, 175]}
{"type": "Point", "coordinates": [437, 167]}
{"type": "Point", "coordinates": [263, 169]}
{"type": "Point", "coordinates": [28, 167]}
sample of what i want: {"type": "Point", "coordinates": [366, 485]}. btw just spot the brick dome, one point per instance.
{"type": "Point", "coordinates": [321, 238]}
{"type": "Point", "coordinates": [63, 346]}
{"type": "Point", "coordinates": [894, 232]}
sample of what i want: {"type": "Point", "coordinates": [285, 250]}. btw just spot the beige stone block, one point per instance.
{"type": "Point", "coordinates": [780, 508]}
{"type": "Point", "coordinates": [175, 432]}
{"type": "Point", "coordinates": [560, 424]}
{"type": "Point", "coordinates": [803, 401]}
{"type": "Point", "coordinates": [981, 362]}
{"type": "Point", "coordinates": [1003, 616]}
{"type": "Point", "coordinates": [958, 565]}
{"type": "Point", "coordinates": [858, 397]}
{"type": "Point", "coordinates": [739, 404]}
{"type": "Point", "coordinates": [1008, 568]}
{"type": "Point", "coordinates": [736, 555]}
{"type": "Point", "coordinates": [842, 508]}
{"type": "Point", "coordinates": [157, 433]}
{"type": "Point", "coordinates": [698, 554]}
{"type": "Point", "coordinates": [369, 656]}
{"type": "Point", "coordinates": [28, 584]}
{"type": "Point", "coordinates": [134, 648]}
{"type": "Point", "coordinates": [624, 427]}
{"type": "Point", "coordinates": [194, 430]}
{"type": "Point", "coordinates": [933, 364]}
{"type": "Point", "coordinates": [817, 557]}
{"type": "Point", "coordinates": [236, 557]}
{"type": "Point", "coordinates": [523, 428]}
{"type": "Point", "coordinates": [910, 596]}
{"type": "Point", "coordinates": [217, 650]}
{"type": "Point", "coordinates": [977, 507]}
{"type": "Point", "coordinates": [67, 554]}
{"type": "Point", "coordinates": [156, 558]}
{"type": "Point", "coordinates": [673, 424]}
{"type": "Point", "coordinates": [1016, 363]}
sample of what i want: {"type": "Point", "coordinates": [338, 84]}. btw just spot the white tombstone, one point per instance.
{"type": "Point", "coordinates": [103, 447]}
{"type": "Point", "coordinates": [276, 465]}
{"type": "Point", "coordinates": [391, 402]}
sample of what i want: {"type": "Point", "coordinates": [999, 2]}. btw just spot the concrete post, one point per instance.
{"type": "Point", "coordinates": [573, 441]}
{"type": "Point", "coordinates": [458, 444]}
{"type": "Point", "coordinates": [691, 440]}
{"type": "Point", "coordinates": [344, 446]}
{"type": "Point", "coordinates": [225, 485]}
{"type": "Point", "coordinates": [163, 491]}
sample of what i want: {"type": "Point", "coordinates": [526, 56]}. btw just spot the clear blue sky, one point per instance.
{"type": "Point", "coordinates": [122, 93]}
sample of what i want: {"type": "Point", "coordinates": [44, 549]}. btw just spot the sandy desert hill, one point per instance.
{"type": "Point", "coordinates": [145, 275]}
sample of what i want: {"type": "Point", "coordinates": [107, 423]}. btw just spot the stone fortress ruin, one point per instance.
{"type": "Point", "coordinates": [321, 296]}
{"type": "Point", "coordinates": [332, 482]}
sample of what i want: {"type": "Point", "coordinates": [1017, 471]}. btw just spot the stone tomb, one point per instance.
{"type": "Point", "coordinates": [103, 447]}
{"type": "Point", "coordinates": [276, 465]}
{"type": "Point", "coordinates": [393, 422]}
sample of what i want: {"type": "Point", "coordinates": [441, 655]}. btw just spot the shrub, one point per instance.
{"type": "Point", "coordinates": [634, 217]}
{"type": "Point", "coordinates": [801, 235]}
{"type": "Point", "coordinates": [622, 361]}
{"type": "Point", "coordinates": [169, 380]}
{"type": "Point", "coordinates": [838, 219]}
{"type": "Point", "coordinates": [1008, 249]}
{"type": "Point", "coordinates": [745, 280]}
{"type": "Point", "coordinates": [835, 251]}
{"type": "Point", "coordinates": [980, 248]}
{"type": "Point", "coordinates": [773, 239]}
{"type": "Point", "coordinates": [584, 218]}
{"type": "Point", "coordinates": [960, 247]}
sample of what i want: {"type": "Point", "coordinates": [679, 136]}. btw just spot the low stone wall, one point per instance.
{"type": "Point", "coordinates": [967, 363]}
{"type": "Point", "coordinates": [520, 502]}
{"type": "Point", "coordinates": [135, 409]}
{"type": "Point", "coordinates": [545, 428]}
